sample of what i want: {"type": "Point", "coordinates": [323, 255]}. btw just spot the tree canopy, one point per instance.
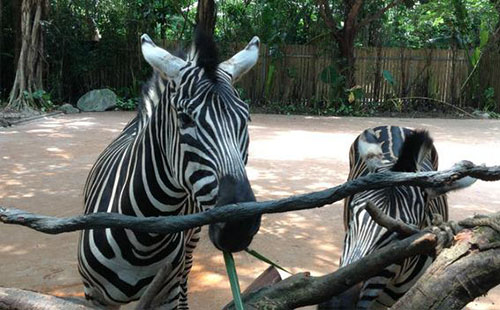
{"type": "Point", "coordinates": [82, 37]}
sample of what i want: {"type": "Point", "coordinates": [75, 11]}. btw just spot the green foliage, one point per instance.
{"type": "Point", "coordinates": [388, 77]}
{"type": "Point", "coordinates": [129, 104]}
{"type": "Point", "coordinates": [490, 104]}
{"type": "Point", "coordinates": [483, 40]}
{"type": "Point", "coordinates": [40, 99]}
{"type": "Point", "coordinates": [269, 79]}
{"type": "Point", "coordinates": [336, 81]}
{"type": "Point", "coordinates": [310, 108]}
{"type": "Point", "coordinates": [274, 21]}
{"type": "Point", "coordinates": [440, 23]}
{"type": "Point", "coordinates": [393, 101]}
{"type": "Point", "coordinates": [89, 38]}
{"type": "Point", "coordinates": [78, 62]}
{"type": "Point", "coordinates": [355, 95]}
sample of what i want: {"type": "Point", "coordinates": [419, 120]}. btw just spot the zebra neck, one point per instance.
{"type": "Point", "coordinates": [153, 184]}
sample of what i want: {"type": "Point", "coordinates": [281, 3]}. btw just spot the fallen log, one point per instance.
{"type": "Point", "coordinates": [17, 299]}
{"type": "Point", "coordinates": [467, 270]}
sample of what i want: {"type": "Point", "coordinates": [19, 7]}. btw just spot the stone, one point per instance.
{"type": "Point", "coordinates": [97, 100]}
{"type": "Point", "coordinates": [481, 114]}
{"type": "Point", "coordinates": [68, 109]}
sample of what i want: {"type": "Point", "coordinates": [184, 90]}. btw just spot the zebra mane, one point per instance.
{"type": "Point", "coordinates": [414, 149]}
{"type": "Point", "coordinates": [150, 96]}
{"type": "Point", "coordinates": [206, 53]}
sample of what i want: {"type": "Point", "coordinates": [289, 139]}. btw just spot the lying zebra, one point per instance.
{"type": "Point", "coordinates": [380, 149]}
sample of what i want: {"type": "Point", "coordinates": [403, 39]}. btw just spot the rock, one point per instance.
{"type": "Point", "coordinates": [68, 109]}
{"type": "Point", "coordinates": [97, 100]}
{"type": "Point", "coordinates": [481, 114]}
{"type": "Point", "coordinates": [4, 123]}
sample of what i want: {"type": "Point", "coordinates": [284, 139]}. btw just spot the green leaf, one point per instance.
{"type": "Point", "coordinates": [269, 79]}
{"type": "Point", "coordinates": [483, 35]}
{"type": "Point", "coordinates": [351, 97]}
{"type": "Point", "coordinates": [329, 75]}
{"type": "Point", "coordinates": [233, 280]}
{"type": "Point", "coordinates": [265, 259]}
{"type": "Point", "coordinates": [475, 56]}
{"type": "Point", "coordinates": [388, 77]}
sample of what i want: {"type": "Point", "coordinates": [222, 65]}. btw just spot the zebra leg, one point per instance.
{"type": "Point", "coordinates": [175, 290]}
{"type": "Point", "coordinates": [169, 298]}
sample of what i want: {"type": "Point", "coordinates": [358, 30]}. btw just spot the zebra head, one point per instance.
{"type": "Point", "coordinates": [413, 151]}
{"type": "Point", "coordinates": [205, 130]}
{"type": "Point", "coordinates": [381, 149]}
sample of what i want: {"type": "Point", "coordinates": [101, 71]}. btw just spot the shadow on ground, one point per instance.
{"type": "Point", "coordinates": [43, 166]}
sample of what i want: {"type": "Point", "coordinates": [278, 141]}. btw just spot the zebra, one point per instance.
{"type": "Point", "coordinates": [184, 152]}
{"type": "Point", "coordinates": [397, 149]}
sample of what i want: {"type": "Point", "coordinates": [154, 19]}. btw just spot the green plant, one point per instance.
{"type": "Point", "coordinates": [331, 76]}
{"type": "Point", "coordinates": [345, 110]}
{"type": "Point", "coordinates": [397, 103]}
{"type": "Point", "coordinates": [355, 95]}
{"type": "Point", "coordinates": [483, 40]}
{"type": "Point", "coordinates": [490, 104]}
{"type": "Point", "coordinates": [39, 99]}
{"type": "Point", "coordinates": [269, 80]}
{"type": "Point", "coordinates": [126, 104]}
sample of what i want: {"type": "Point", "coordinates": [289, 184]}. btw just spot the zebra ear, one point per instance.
{"type": "Point", "coordinates": [243, 61]}
{"type": "Point", "coordinates": [370, 150]}
{"type": "Point", "coordinates": [167, 64]}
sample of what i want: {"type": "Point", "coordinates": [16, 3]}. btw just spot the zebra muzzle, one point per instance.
{"type": "Point", "coordinates": [237, 235]}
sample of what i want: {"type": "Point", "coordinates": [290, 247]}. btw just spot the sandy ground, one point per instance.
{"type": "Point", "coordinates": [43, 166]}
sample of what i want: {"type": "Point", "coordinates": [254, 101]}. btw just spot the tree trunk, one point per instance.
{"type": "Point", "coordinates": [1, 49]}
{"type": "Point", "coordinates": [30, 62]}
{"type": "Point", "coordinates": [346, 48]}
{"type": "Point", "coordinates": [467, 270]}
{"type": "Point", "coordinates": [16, 25]}
{"type": "Point", "coordinates": [206, 15]}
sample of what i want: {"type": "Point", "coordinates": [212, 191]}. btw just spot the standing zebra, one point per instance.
{"type": "Point", "coordinates": [184, 152]}
{"type": "Point", "coordinates": [380, 149]}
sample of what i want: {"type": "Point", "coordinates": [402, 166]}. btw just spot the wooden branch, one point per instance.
{"type": "Point", "coordinates": [392, 224]}
{"type": "Point", "coordinates": [171, 224]}
{"type": "Point", "coordinates": [468, 269]}
{"type": "Point", "coordinates": [302, 289]}
{"type": "Point", "coordinates": [462, 273]}
{"type": "Point", "coordinates": [14, 299]}
{"type": "Point", "coordinates": [493, 221]}
{"type": "Point", "coordinates": [377, 14]}
{"type": "Point", "coordinates": [352, 16]}
{"type": "Point", "coordinates": [330, 21]}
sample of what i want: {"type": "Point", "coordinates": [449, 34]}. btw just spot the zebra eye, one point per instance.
{"type": "Point", "coordinates": [185, 120]}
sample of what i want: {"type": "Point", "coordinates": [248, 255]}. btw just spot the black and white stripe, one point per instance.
{"type": "Point", "coordinates": [191, 130]}
{"type": "Point", "coordinates": [378, 149]}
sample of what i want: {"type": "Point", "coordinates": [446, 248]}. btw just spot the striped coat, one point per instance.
{"type": "Point", "coordinates": [379, 149]}
{"type": "Point", "coordinates": [184, 152]}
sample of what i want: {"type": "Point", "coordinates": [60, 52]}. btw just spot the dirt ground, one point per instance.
{"type": "Point", "coordinates": [43, 166]}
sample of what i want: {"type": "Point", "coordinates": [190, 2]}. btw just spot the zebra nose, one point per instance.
{"type": "Point", "coordinates": [235, 235]}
